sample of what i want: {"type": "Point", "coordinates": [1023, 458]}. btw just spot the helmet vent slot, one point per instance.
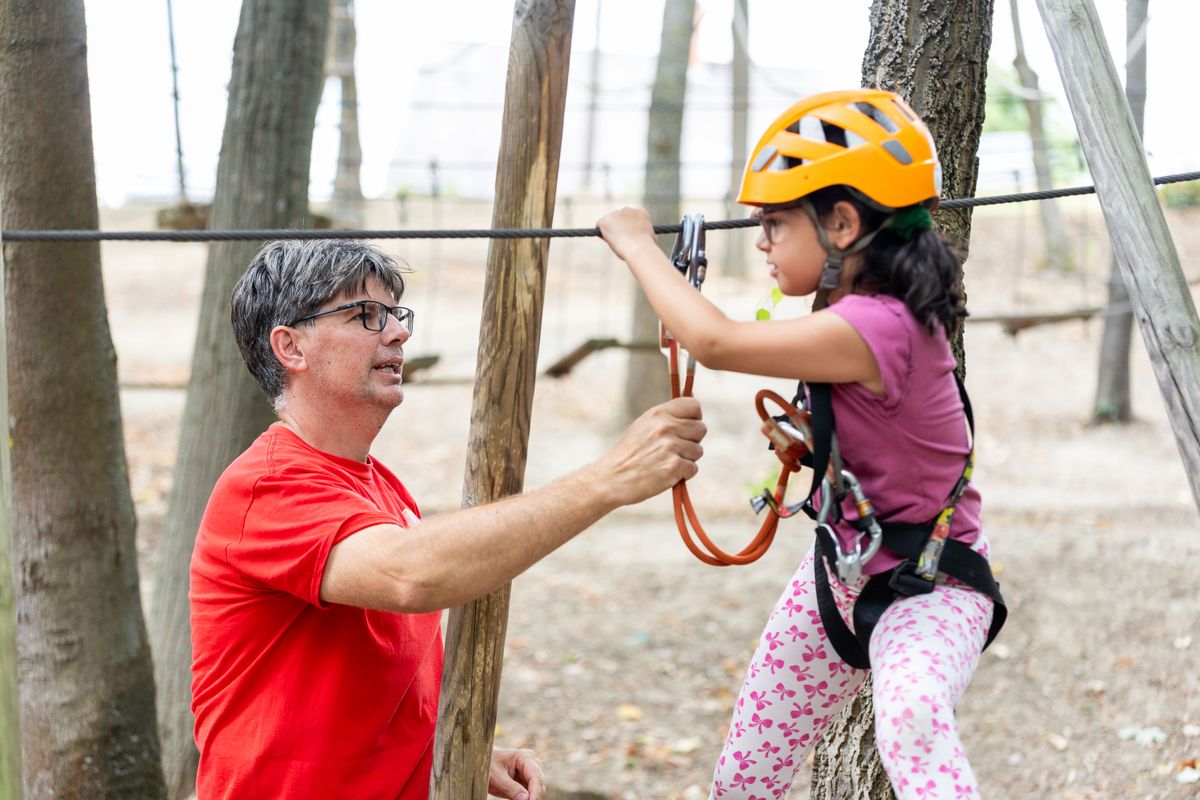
{"type": "Point", "coordinates": [877, 114]}
{"type": "Point", "coordinates": [764, 157]}
{"type": "Point", "coordinates": [898, 151]}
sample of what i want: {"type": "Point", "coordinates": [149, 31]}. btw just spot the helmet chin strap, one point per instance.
{"type": "Point", "coordinates": [831, 273]}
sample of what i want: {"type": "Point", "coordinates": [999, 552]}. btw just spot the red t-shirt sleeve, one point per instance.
{"type": "Point", "coordinates": [291, 524]}
{"type": "Point", "coordinates": [884, 324]}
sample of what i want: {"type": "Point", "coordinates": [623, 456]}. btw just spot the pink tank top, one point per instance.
{"type": "Point", "coordinates": [907, 447]}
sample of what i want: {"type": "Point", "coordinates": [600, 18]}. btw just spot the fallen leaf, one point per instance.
{"type": "Point", "coordinates": [685, 746]}
{"type": "Point", "coordinates": [1188, 775]}
{"type": "Point", "coordinates": [1143, 736]}
{"type": "Point", "coordinates": [629, 712]}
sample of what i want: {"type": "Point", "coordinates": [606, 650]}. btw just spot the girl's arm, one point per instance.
{"type": "Point", "coordinates": [820, 347]}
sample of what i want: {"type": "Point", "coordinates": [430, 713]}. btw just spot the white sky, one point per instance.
{"type": "Point", "coordinates": [130, 77]}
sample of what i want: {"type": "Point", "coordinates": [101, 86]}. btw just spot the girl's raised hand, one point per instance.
{"type": "Point", "coordinates": [627, 229]}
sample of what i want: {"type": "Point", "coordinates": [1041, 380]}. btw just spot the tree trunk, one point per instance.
{"type": "Point", "coordinates": [1113, 403]}
{"type": "Point", "coordinates": [735, 255]}
{"type": "Point", "coordinates": [935, 55]}
{"type": "Point", "coordinates": [10, 701]}
{"type": "Point", "coordinates": [1058, 247]}
{"type": "Point", "coordinates": [346, 206]}
{"type": "Point", "coordinates": [646, 382]}
{"type": "Point", "coordinates": [589, 144]}
{"type": "Point", "coordinates": [262, 182]}
{"type": "Point", "coordinates": [87, 698]}
{"type": "Point", "coordinates": [505, 376]}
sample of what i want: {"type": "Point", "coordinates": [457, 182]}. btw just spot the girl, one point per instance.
{"type": "Point", "coordinates": [843, 183]}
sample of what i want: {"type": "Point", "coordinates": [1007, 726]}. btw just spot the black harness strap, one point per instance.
{"type": "Point", "coordinates": [905, 539]}
{"type": "Point", "coordinates": [820, 403]}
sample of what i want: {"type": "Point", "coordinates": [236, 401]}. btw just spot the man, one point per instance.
{"type": "Point", "coordinates": [316, 589]}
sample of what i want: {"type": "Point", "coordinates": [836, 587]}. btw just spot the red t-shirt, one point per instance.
{"type": "Point", "coordinates": [295, 698]}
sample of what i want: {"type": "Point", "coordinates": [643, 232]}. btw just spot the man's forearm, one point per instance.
{"type": "Point", "coordinates": [472, 552]}
{"type": "Point", "coordinates": [455, 557]}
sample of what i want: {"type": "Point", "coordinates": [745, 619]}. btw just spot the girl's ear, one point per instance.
{"type": "Point", "coordinates": [845, 224]}
{"type": "Point", "coordinates": [288, 346]}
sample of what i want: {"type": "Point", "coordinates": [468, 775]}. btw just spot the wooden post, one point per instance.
{"type": "Point", "coordinates": [526, 178]}
{"type": "Point", "coordinates": [10, 704]}
{"type": "Point", "coordinates": [1162, 302]}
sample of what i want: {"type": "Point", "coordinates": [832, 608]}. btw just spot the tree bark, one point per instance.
{"type": "Point", "coordinates": [735, 257]}
{"type": "Point", "coordinates": [505, 376]}
{"type": "Point", "coordinates": [346, 207]}
{"type": "Point", "coordinates": [935, 55]}
{"type": "Point", "coordinates": [1140, 236]}
{"type": "Point", "coordinates": [262, 182]}
{"type": "Point", "coordinates": [1113, 402]}
{"type": "Point", "coordinates": [87, 698]}
{"type": "Point", "coordinates": [1058, 247]}
{"type": "Point", "coordinates": [10, 701]}
{"type": "Point", "coordinates": [646, 382]}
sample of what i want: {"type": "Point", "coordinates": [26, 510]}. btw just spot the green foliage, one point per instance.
{"type": "Point", "coordinates": [1181, 195]}
{"type": "Point", "coordinates": [1004, 110]}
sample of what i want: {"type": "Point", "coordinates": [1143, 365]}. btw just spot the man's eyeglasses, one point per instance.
{"type": "Point", "coordinates": [372, 314]}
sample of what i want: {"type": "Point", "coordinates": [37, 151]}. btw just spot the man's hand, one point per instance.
{"type": "Point", "coordinates": [516, 775]}
{"type": "Point", "coordinates": [657, 451]}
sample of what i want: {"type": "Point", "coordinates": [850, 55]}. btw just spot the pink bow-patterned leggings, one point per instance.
{"type": "Point", "coordinates": [924, 651]}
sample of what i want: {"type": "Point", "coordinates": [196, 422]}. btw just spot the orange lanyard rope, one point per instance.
{"type": "Point", "coordinates": [686, 520]}
{"type": "Point", "coordinates": [689, 258]}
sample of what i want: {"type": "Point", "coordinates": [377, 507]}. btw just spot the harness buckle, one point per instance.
{"type": "Point", "coordinates": [906, 581]}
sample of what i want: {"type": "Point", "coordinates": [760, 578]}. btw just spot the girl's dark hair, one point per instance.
{"type": "Point", "coordinates": [925, 271]}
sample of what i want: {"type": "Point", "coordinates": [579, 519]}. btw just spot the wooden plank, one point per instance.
{"type": "Point", "coordinates": [10, 715]}
{"type": "Point", "coordinates": [514, 292]}
{"type": "Point", "coordinates": [1141, 240]}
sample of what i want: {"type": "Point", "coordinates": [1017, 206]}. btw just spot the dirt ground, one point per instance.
{"type": "Point", "coordinates": [624, 654]}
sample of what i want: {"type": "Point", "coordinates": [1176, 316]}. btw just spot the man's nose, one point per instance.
{"type": "Point", "coordinates": [394, 330]}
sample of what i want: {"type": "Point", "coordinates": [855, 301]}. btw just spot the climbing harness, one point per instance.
{"type": "Point", "coordinates": [926, 549]}
{"type": "Point", "coordinates": [803, 435]}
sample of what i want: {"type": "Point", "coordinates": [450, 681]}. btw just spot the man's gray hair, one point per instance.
{"type": "Point", "coordinates": [288, 280]}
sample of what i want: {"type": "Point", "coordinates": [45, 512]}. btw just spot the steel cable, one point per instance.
{"type": "Point", "coordinates": [265, 234]}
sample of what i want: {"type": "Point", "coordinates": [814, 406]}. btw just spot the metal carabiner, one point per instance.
{"type": "Point", "coordinates": [850, 565]}
{"type": "Point", "coordinates": [688, 253]}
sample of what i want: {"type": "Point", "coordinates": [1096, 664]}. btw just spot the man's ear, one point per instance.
{"type": "Point", "coordinates": [288, 344]}
{"type": "Point", "coordinates": [845, 224]}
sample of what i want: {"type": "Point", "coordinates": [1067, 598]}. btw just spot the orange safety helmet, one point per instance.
{"type": "Point", "coordinates": [867, 139]}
